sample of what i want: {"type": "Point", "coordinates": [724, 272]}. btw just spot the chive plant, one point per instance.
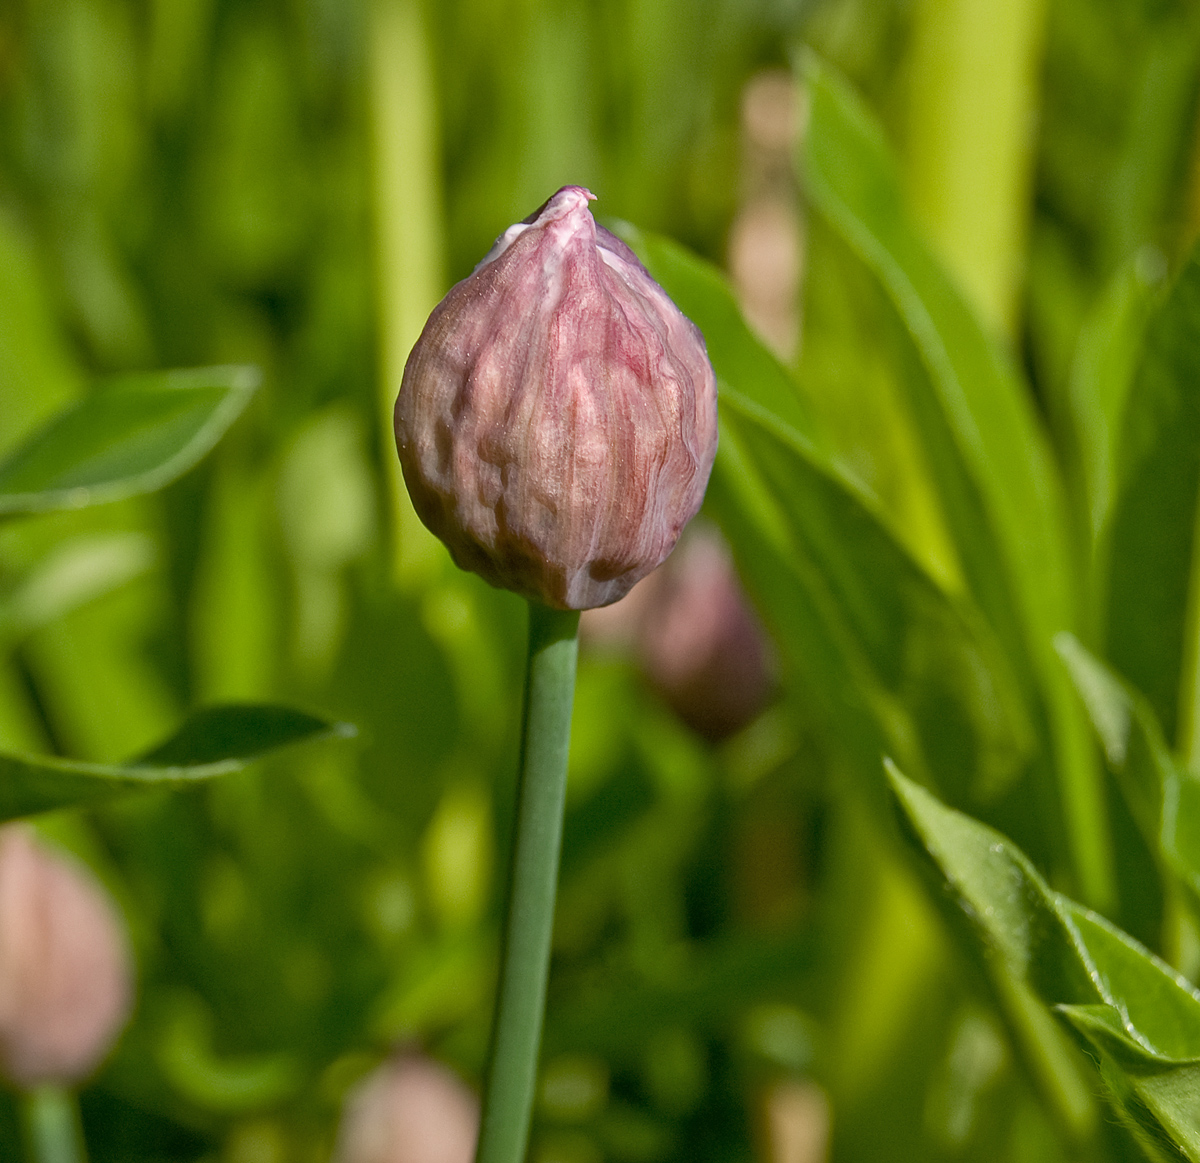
{"type": "Point", "coordinates": [556, 424]}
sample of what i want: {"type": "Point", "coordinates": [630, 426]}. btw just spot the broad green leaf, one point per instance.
{"type": "Point", "coordinates": [860, 614]}
{"type": "Point", "coordinates": [1136, 1011]}
{"type": "Point", "coordinates": [212, 741]}
{"type": "Point", "coordinates": [912, 655]}
{"type": "Point", "coordinates": [1163, 796]}
{"type": "Point", "coordinates": [1152, 533]}
{"type": "Point", "coordinates": [1002, 495]}
{"type": "Point", "coordinates": [132, 436]}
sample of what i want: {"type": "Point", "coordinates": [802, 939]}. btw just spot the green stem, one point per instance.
{"type": "Point", "coordinates": [50, 1120]}
{"type": "Point", "coordinates": [533, 881]}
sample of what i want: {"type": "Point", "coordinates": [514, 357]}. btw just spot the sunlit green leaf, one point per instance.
{"type": "Point", "coordinates": [132, 436]}
{"type": "Point", "coordinates": [1141, 1015]}
{"type": "Point", "coordinates": [1163, 795]}
{"type": "Point", "coordinates": [1153, 521]}
{"type": "Point", "coordinates": [997, 481]}
{"type": "Point", "coordinates": [212, 741]}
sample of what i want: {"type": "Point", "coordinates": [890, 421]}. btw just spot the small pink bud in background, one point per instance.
{"type": "Point", "coordinates": [410, 1110]}
{"type": "Point", "coordinates": [557, 421]}
{"type": "Point", "coordinates": [65, 967]}
{"type": "Point", "coordinates": [697, 637]}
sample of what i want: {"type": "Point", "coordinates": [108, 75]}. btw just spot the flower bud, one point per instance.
{"type": "Point", "coordinates": [410, 1110]}
{"type": "Point", "coordinates": [65, 971]}
{"type": "Point", "coordinates": [557, 421]}
{"type": "Point", "coordinates": [701, 643]}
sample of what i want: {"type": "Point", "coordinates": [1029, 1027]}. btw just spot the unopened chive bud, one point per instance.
{"type": "Point", "coordinates": [65, 969]}
{"type": "Point", "coordinates": [701, 642]}
{"type": "Point", "coordinates": [410, 1110]}
{"type": "Point", "coordinates": [557, 421]}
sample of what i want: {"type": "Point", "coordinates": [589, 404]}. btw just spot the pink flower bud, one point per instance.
{"type": "Point", "coordinates": [65, 967]}
{"type": "Point", "coordinates": [410, 1110]}
{"type": "Point", "coordinates": [702, 644]}
{"type": "Point", "coordinates": [557, 421]}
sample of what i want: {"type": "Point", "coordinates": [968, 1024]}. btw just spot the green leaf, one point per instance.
{"type": "Point", "coordinates": [998, 483]}
{"type": "Point", "coordinates": [1163, 796]}
{"type": "Point", "coordinates": [916, 660]}
{"type": "Point", "coordinates": [212, 741]}
{"type": "Point", "coordinates": [132, 436]}
{"type": "Point", "coordinates": [858, 613]}
{"type": "Point", "coordinates": [1102, 371]}
{"type": "Point", "coordinates": [1152, 533]}
{"type": "Point", "coordinates": [1141, 1015]}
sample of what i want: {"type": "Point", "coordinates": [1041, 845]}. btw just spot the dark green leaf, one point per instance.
{"type": "Point", "coordinates": [213, 741]}
{"type": "Point", "coordinates": [131, 436]}
{"type": "Point", "coordinates": [860, 614]}
{"type": "Point", "coordinates": [1102, 371]}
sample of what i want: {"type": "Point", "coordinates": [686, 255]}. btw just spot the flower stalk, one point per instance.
{"type": "Point", "coordinates": [51, 1124]}
{"type": "Point", "coordinates": [533, 882]}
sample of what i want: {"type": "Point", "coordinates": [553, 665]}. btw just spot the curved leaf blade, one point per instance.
{"type": "Point", "coordinates": [132, 436]}
{"type": "Point", "coordinates": [1163, 796]}
{"type": "Point", "coordinates": [213, 741]}
{"type": "Point", "coordinates": [856, 610]}
{"type": "Point", "coordinates": [1002, 493]}
{"type": "Point", "coordinates": [1141, 1015]}
{"type": "Point", "coordinates": [1153, 523]}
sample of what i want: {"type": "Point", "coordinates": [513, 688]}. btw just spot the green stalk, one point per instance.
{"type": "Point", "coordinates": [408, 236]}
{"type": "Point", "coordinates": [973, 98]}
{"type": "Point", "coordinates": [50, 1120]}
{"type": "Point", "coordinates": [533, 882]}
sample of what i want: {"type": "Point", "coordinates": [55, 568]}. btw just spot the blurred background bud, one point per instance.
{"type": "Point", "coordinates": [696, 636]}
{"type": "Point", "coordinates": [409, 1110]}
{"type": "Point", "coordinates": [66, 974]}
{"type": "Point", "coordinates": [702, 645]}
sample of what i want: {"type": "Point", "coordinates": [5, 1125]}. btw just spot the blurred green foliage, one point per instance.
{"type": "Point", "coordinates": [975, 450]}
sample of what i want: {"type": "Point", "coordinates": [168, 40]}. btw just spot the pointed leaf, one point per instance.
{"type": "Point", "coordinates": [1131, 1006]}
{"type": "Point", "coordinates": [915, 658]}
{"type": "Point", "coordinates": [1102, 370]}
{"type": "Point", "coordinates": [1163, 796]}
{"type": "Point", "coordinates": [212, 741]}
{"type": "Point", "coordinates": [1153, 522]}
{"type": "Point", "coordinates": [132, 436]}
{"type": "Point", "coordinates": [872, 631]}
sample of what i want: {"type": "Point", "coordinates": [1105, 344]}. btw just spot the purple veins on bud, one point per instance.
{"type": "Point", "coordinates": [557, 420]}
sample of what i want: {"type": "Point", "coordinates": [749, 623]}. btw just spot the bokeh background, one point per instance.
{"type": "Point", "coordinates": [744, 966]}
